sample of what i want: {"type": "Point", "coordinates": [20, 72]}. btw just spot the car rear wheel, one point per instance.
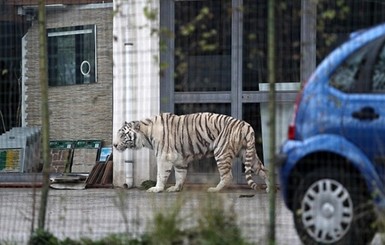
{"type": "Point", "coordinates": [330, 207]}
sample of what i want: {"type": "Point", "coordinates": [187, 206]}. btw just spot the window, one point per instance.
{"type": "Point", "coordinates": [72, 55]}
{"type": "Point", "coordinates": [345, 78]}
{"type": "Point", "coordinates": [378, 76]}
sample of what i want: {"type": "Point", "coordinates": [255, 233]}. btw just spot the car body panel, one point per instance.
{"type": "Point", "coordinates": [297, 150]}
{"type": "Point", "coordinates": [369, 133]}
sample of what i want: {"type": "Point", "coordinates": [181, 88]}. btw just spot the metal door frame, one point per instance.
{"type": "Point", "coordinates": [236, 97]}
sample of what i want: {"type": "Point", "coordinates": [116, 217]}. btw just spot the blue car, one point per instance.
{"type": "Point", "coordinates": [332, 166]}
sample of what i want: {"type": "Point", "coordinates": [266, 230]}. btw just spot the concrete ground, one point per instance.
{"type": "Point", "coordinates": [96, 213]}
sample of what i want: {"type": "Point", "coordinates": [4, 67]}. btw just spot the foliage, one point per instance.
{"type": "Point", "coordinates": [121, 204]}
{"type": "Point", "coordinates": [40, 237]}
{"type": "Point", "coordinates": [327, 29]}
{"type": "Point", "coordinates": [216, 224]}
{"type": "Point", "coordinates": [167, 227]}
{"type": "Point", "coordinates": [381, 226]}
{"type": "Point", "coordinates": [147, 184]}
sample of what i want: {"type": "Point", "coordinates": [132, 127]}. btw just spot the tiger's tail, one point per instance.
{"type": "Point", "coordinates": [252, 162]}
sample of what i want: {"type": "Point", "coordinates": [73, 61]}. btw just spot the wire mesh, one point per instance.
{"type": "Point", "coordinates": [115, 61]}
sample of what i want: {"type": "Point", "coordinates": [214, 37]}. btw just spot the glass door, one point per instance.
{"type": "Point", "coordinates": [203, 67]}
{"type": "Point", "coordinates": [206, 69]}
{"type": "Point", "coordinates": [215, 61]}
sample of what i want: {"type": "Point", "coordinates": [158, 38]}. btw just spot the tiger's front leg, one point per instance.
{"type": "Point", "coordinates": [180, 177]}
{"type": "Point", "coordinates": [163, 172]}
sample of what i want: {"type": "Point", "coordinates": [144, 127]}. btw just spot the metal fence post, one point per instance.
{"type": "Point", "coordinates": [272, 105]}
{"type": "Point", "coordinates": [308, 38]}
{"type": "Point", "coordinates": [43, 69]}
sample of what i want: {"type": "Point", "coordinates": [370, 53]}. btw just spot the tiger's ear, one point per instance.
{"type": "Point", "coordinates": [136, 125]}
{"type": "Point", "coordinates": [133, 124]}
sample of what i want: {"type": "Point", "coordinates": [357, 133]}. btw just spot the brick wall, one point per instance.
{"type": "Point", "coordinates": [76, 111]}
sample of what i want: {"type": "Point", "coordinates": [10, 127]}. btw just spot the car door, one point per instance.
{"type": "Point", "coordinates": [363, 120]}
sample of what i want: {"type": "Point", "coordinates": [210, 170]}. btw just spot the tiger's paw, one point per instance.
{"type": "Point", "coordinates": [155, 189]}
{"type": "Point", "coordinates": [173, 189]}
{"type": "Point", "coordinates": [212, 189]}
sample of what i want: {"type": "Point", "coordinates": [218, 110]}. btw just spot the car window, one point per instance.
{"type": "Point", "coordinates": [378, 77]}
{"type": "Point", "coordinates": [345, 77]}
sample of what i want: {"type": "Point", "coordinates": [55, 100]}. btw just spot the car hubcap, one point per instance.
{"type": "Point", "coordinates": [327, 211]}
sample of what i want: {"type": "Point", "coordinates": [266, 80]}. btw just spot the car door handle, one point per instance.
{"type": "Point", "coordinates": [366, 113]}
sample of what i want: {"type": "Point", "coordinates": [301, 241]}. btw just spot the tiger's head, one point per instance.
{"type": "Point", "coordinates": [128, 136]}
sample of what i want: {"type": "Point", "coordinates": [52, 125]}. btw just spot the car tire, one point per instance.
{"type": "Point", "coordinates": [331, 207]}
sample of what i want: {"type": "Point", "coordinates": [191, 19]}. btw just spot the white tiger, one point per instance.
{"type": "Point", "coordinates": [178, 140]}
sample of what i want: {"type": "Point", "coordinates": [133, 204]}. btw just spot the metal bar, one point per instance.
{"type": "Point", "coordinates": [43, 70]}
{"type": "Point", "coordinates": [271, 80]}
{"type": "Point", "coordinates": [308, 38]}
{"type": "Point", "coordinates": [263, 97]}
{"type": "Point", "coordinates": [236, 58]}
{"type": "Point", "coordinates": [167, 84]}
{"type": "Point", "coordinates": [225, 97]}
{"type": "Point", "coordinates": [35, 2]}
{"type": "Point", "coordinates": [202, 97]}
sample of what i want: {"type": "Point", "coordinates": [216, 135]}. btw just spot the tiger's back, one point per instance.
{"type": "Point", "coordinates": [195, 136]}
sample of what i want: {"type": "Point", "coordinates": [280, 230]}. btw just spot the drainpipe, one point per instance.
{"type": "Point", "coordinates": [129, 171]}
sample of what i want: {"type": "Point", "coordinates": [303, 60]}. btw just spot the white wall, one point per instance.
{"type": "Point", "coordinates": [136, 82]}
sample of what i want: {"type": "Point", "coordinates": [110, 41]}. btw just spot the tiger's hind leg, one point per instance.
{"type": "Point", "coordinates": [261, 171]}
{"type": "Point", "coordinates": [224, 163]}
{"type": "Point", "coordinates": [256, 168]}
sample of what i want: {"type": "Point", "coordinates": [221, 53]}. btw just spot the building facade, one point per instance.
{"type": "Point", "coordinates": [116, 61]}
{"type": "Point", "coordinates": [78, 109]}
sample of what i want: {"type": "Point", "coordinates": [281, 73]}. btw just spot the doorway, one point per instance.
{"type": "Point", "coordinates": [216, 61]}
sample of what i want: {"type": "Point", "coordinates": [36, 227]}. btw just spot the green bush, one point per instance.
{"type": "Point", "coordinates": [216, 225]}
{"type": "Point", "coordinates": [42, 237]}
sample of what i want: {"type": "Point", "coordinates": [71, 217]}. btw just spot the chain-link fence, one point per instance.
{"type": "Point", "coordinates": [108, 62]}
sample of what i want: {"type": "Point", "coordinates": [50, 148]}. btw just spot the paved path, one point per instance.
{"type": "Point", "coordinates": [95, 213]}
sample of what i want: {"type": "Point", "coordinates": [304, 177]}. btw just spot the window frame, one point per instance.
{"type": "Point", "coordinates": [73, 31]}
{"type": "Point", "coordinates": [362, 80]}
